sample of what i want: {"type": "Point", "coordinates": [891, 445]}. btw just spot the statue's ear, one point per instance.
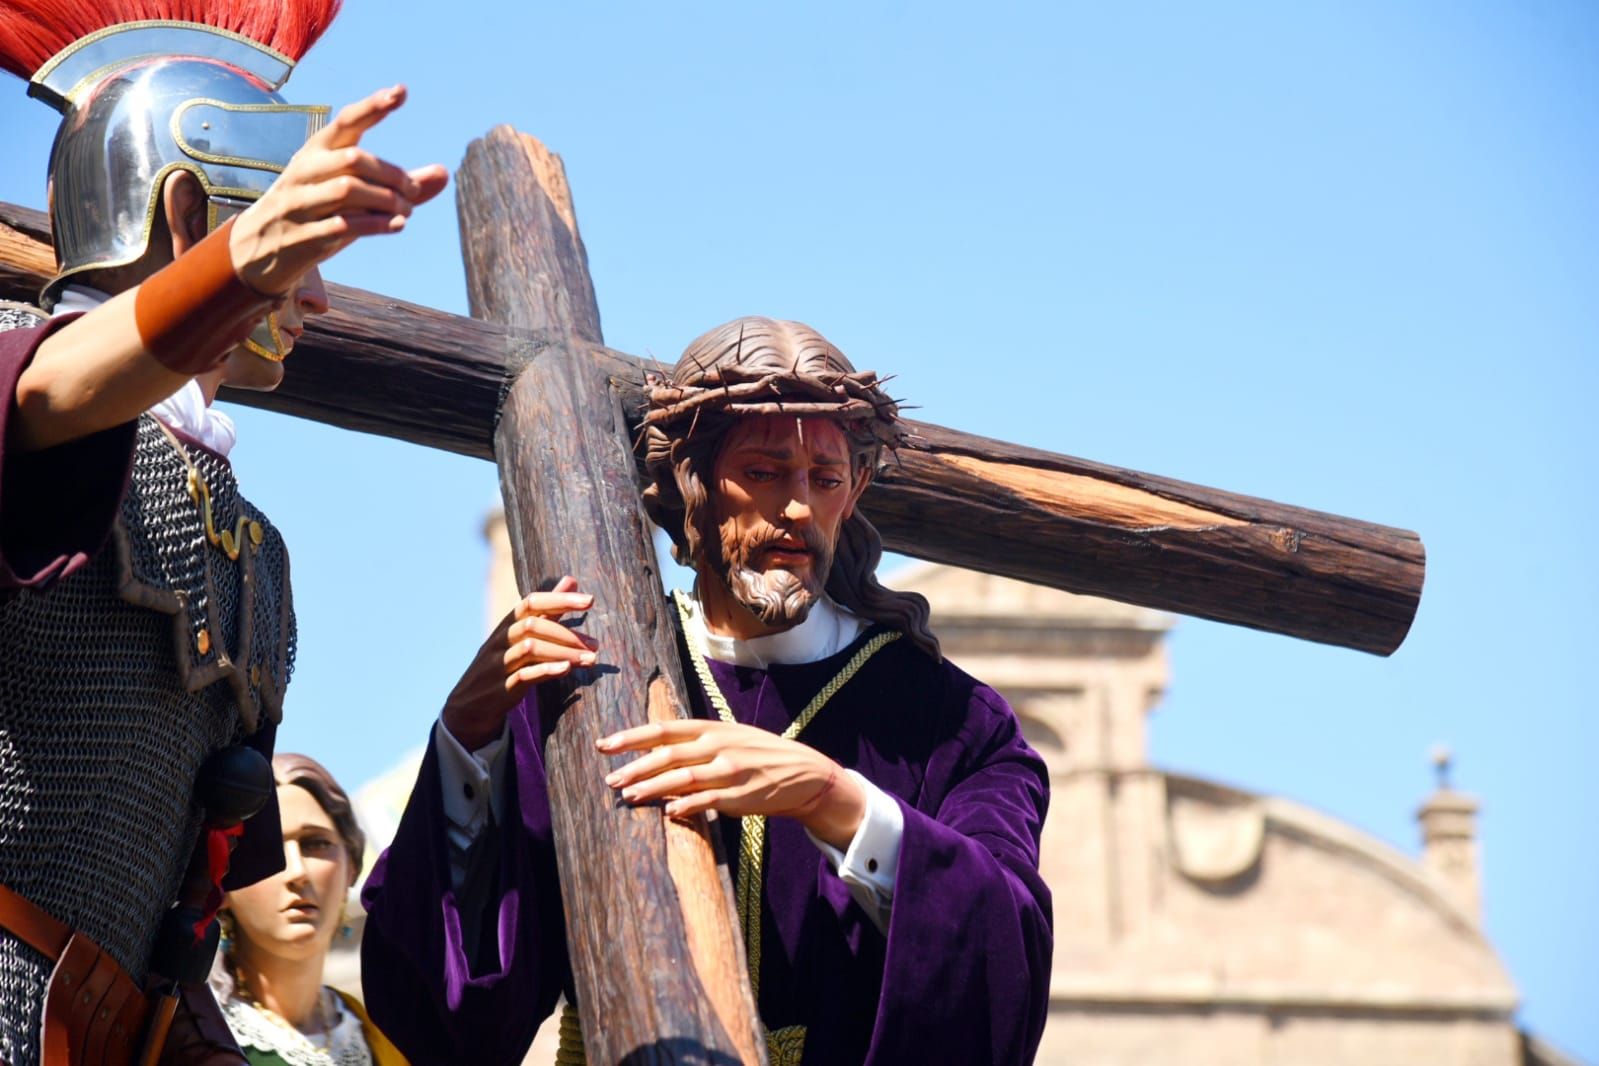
{"type": "Point", "coordinates": [863, 479]}
{"type": "Point", "coordinates": [184, 203]}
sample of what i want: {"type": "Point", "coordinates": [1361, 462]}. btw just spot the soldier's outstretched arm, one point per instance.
{"type": "Point", "coordinates": [135, 350]}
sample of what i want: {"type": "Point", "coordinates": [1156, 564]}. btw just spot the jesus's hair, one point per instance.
{"type": "Point", "coordinates": [793, 361]}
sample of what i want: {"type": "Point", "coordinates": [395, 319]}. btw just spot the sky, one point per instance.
{"type": "Point", "coordinates": [1342, 256]}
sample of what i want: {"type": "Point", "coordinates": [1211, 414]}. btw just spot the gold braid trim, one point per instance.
{"type": "Point", "coordinates": [230, 542]}
{"type": "Point", "coordinates": [570, 1051]}
{"type": "Point", "coordinates": [785, 1046]}
{"type": "Point", "coordinates": [752, 827]}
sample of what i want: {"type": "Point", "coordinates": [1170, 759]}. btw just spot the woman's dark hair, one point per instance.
{"type": "Point", "coordinates": [305, 772]}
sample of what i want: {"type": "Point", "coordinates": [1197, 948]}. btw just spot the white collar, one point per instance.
{"type": "Point", "coordinates": [827, 630]}
{"type": "Point", "coordinates": [185, 411]}
{"type": "Point", "coordinates": [77, 298]}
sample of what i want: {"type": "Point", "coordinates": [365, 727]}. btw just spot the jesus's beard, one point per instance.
{"type": "Point", "coordinates": [780, 598]}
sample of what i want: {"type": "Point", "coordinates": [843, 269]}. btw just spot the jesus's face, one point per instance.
{"type": "Point", "coordinates": [782, 488]}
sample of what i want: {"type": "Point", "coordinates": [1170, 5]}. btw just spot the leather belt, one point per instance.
{"type": "Point", "coordinates": [93, 1012]}
{"type": "Point", "coordinates": [25, 921]}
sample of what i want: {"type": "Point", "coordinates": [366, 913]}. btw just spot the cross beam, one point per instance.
{"type": "Point", "coordinates": [383, 366]}
{"type": "Point", "coordinates": [537, 391]}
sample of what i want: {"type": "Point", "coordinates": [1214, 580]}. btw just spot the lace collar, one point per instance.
{"type": "Point", "coordinates": [253, 1027]}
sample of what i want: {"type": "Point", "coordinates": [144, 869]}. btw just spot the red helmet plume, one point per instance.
{"type": "Point", "coordinates": [31, 31]}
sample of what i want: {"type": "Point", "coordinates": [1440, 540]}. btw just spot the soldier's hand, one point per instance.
{"type": "Point", "coordinates": [333, 192]}
{"type": "Point", "coordinates": [529, 645]}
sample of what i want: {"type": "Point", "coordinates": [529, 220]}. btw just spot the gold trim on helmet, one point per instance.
{"type": "Point", "coordinates": [249, 196]}
{"type": "Point", "coordinates": [311, 111]}
{"type": "Point", "coordinates": [270, 328]}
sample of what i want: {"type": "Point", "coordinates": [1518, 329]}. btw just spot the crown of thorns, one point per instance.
{"type": "Point", "coordinates": [857, 398]}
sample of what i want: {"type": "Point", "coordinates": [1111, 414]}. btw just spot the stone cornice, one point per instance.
{"type": "Point", "coordinates": [1198, 992]}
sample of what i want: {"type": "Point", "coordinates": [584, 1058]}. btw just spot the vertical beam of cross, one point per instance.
{"type": "Point", "coordinates": [658, 966]}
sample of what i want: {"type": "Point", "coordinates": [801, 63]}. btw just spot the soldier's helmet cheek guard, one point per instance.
{"type": "Point", "coordinates": [142, 99]}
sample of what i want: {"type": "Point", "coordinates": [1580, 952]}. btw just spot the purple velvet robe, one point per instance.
{"type": "Point", "coordinates": [961, 976]}
{"type": "Point", "coordinates": [57, 507]}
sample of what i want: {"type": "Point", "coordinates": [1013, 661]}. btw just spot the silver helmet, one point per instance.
{"type": "Point", "coordinates": [142, 99]}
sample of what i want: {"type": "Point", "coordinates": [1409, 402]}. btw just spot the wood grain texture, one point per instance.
{"type": "Point", "coordinates": [712, 916]}
{"type": "Point", "coordinates": [27, 259]}
{"type": "Point", "coordinates": [508, 175]}
{"type": "Point", "coordinates": [649, 914]}
{"type": "Point", "coordinates": [1153, 541]}
{"type": "Point", "coordinates": [382, 366]}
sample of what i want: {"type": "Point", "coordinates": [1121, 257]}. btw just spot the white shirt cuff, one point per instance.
{"type": "Point", "coordinates": [871, 862]}
{"type": "Point", "coordinates": [470, 785]}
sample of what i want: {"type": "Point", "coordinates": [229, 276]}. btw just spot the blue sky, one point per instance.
{"type": "Point", "coordinates": [1341, 256]}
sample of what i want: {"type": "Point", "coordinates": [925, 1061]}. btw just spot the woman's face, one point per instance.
{"type": "Point", "coordinates": [295, 913]}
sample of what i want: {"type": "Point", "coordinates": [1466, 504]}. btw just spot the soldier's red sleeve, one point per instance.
{"type": "Point", "coordinates": [56, 505]}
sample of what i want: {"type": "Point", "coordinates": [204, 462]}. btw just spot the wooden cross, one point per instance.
{"type": "Point", "coordinates": [528, 383]}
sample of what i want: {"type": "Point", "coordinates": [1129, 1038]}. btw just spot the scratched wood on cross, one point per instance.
{"type": "Point", "coordinates": [650, 928]}
{"type": "Point", "coordinates": [384, 366]}
{"type": "Point", "coordinates": [640, 887]}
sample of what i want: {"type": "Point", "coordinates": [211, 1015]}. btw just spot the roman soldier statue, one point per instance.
{"type": "Point", "coordinates": [146, 622]}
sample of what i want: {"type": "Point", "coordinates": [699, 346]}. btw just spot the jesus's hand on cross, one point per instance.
{"type": "Point", "coordinates": [528, 646]}
{"type": "Point", "coordinates": [698, 765]}
{"type": "Point", "coordinates": [332, 193]}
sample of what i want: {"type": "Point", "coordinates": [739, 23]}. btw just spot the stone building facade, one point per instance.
{"type": "Point", "coordinates": [1198, 923]}
{"type": "Point", "coordinates": [1195, 923]}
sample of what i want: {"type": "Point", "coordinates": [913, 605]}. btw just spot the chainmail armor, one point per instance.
{"type": "Point", "coordinates": [110, 699]}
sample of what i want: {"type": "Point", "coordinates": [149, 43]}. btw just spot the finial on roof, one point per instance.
{"type": "Point", "coordinates": [1449, 837]}
{"type": "Point", "coordinates": [1442, 759]}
